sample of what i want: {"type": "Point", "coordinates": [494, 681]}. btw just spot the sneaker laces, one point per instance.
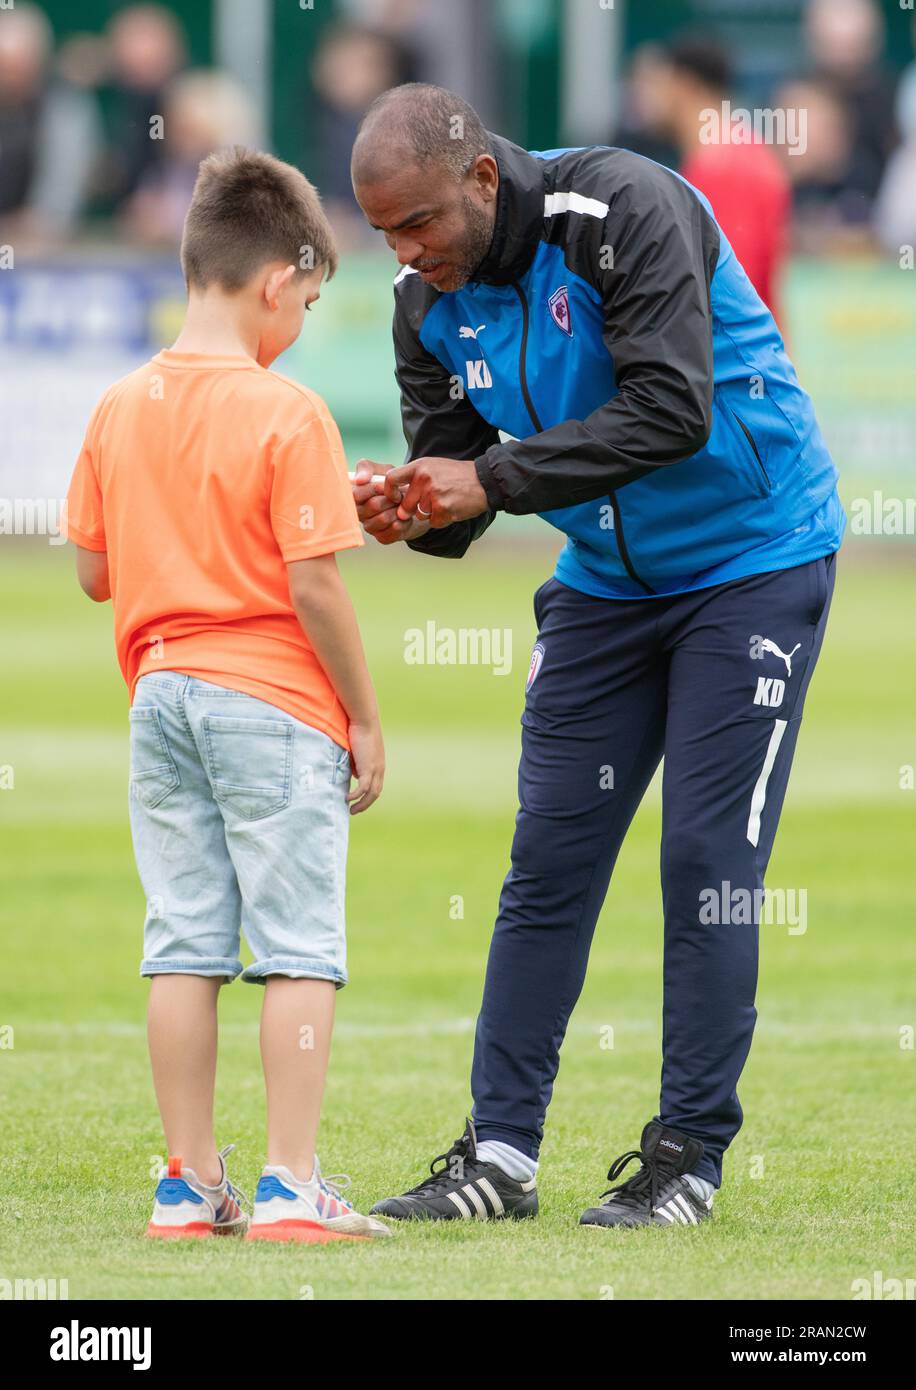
{"type": "Point", "coordinates": [635, 1189]}
{"type": "Point", "coordinates": [463, 1149]}
{"type": "Point", "coordinates": [336, 1184]}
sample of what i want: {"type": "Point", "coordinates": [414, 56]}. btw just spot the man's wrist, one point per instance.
{"type": "Point", "coordinates": [488, 483]}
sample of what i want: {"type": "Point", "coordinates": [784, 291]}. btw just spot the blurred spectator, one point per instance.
{"type": "Point", "coordinates": [204, 110]}
{"type": "Point", "coordinates": [895, 210]}
{"type": "Point", "coordinates": [818, 172]}
{"type": "Point", "coordinates": [742, 177]}
{"type": "Point", "coordinates": [853, 95]}
{"type": "Point", "coordinates": [352, 66]}
{"type": "Point", "coordinates": [82, 59]}
{"type": "Point", "coordinates": [49, 131]}
{"type": "Point", "coordinates": [390, 16]}
{"type": "Point", "coordinates": [906, 92]}
{"type": "Point", "coordinates": [146, 50]}
{"type": "Point", "coordinates": [643, 103]}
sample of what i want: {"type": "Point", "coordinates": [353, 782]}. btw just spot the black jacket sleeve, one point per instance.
{"type": "Point", "coordinates": [651, 259]}
{"type": "Point", "coordinates": [437, 417]}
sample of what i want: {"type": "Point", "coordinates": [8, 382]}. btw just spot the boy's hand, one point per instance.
{"type": "Point", "coordinates": [328, 620]}
{"type": "Point", "coordinates": [367, 754]}
{"type": "Point", "coordinates": [377, 511]}
{"type": "Point", "coordinates": [92, 573]}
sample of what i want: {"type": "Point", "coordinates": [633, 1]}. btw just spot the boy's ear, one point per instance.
{"type": "Point", "coordinates": [275, 284]}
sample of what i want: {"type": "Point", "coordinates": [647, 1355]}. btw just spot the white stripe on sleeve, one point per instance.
{"type": "Point", "coordinates": [555, 203]}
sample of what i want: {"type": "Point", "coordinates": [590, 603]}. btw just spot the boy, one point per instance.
{"type": "Point", "coordinates": [208, 503]}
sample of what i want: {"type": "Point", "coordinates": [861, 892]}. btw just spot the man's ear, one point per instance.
{"type": "Point", "coordinates": [275, 284]}
{"type": "Point", "coordinates": [485, 174]}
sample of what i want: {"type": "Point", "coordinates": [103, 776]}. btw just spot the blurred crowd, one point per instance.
{"type": "Point", "coordinates": [846, 182]}
{"type": "Point", "coordinates": [110, 128]}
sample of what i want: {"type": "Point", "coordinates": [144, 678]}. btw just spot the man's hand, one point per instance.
{"type": "Point", "coordinates": [436, 491]}
{"type": "Point", "coordinates": [377, 511]}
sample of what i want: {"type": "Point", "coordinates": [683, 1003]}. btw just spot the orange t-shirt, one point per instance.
{"type": "Point", "coordinates": [202, 477]}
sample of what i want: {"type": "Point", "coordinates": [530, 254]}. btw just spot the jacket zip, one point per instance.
{"type": "Point", "coordinates": [523, 379]}
{"type": "Point", "coordinates": [753, 444]}
{"type": "Point", "coordinates": [529, 403]}
{"type": "Point", "coordinates": [622, 546]}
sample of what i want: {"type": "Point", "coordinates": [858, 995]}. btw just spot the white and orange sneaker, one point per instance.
{"type": "Point", "coordinates": [185, 1208]}
{"type": "Point", "coordinates": [312, 1212]}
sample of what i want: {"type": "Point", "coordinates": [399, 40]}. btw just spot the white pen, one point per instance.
{"type": "Point", "coordinates": [376, 478]}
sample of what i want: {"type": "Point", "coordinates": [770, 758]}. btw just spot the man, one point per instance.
{"type": "Point", "coordinates": [745, 182]}
{"type": "Point", "coordinates": [585, 304]}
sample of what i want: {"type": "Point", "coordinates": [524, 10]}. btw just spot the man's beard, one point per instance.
{"type": "Point", "coordinates": [479, 230]}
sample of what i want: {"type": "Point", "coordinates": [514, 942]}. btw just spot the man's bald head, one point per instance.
{"type": "Point", "coordinates": [425, 175]}
{"type": "Point", "coordinates": [419, 125]}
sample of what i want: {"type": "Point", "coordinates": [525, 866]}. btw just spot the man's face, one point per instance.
{"type": "Point", "coordinates": [439, 227]}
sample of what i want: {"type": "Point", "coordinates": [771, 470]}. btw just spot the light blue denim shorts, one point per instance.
{"type": "Point", "coordinates": [240, 822]}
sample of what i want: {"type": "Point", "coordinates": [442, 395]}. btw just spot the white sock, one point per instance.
{"type": "Point", "coordinates": [512, 1161]}
{"type": "Point", "coordinates": [701, 1186]}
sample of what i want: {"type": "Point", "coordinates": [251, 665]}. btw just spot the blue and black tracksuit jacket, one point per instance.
{"type": "Point", "coordinates": [610, 367]}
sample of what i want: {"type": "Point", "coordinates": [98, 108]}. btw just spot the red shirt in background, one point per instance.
{"type": "Point", "coordinates": [752, 200]}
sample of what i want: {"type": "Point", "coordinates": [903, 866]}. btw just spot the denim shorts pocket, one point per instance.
{"type": "Point", "coordinates": [153, 774]}
{"type": "Point", "coordinates": [343, 768]}
{"type": "Point", "coordinates": [250, 763]}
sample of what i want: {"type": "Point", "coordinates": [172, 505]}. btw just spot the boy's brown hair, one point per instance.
{"type": "Point", "coordinates": [249, 208]}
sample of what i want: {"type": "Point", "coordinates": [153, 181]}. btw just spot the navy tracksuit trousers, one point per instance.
{"type": "Point", "coordinates": [714, 681]}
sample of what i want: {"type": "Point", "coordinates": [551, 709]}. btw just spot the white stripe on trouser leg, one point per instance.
{"type": "Point", "coordinates": [470, 1191]}
{"type": "Point", "coordinates": [758, 800]}
{"type": "Point", "coordinates": [462, 1206]}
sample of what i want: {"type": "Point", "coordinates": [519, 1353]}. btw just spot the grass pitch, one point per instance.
{"type": "Point", "coordinates": [815, 1193]}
